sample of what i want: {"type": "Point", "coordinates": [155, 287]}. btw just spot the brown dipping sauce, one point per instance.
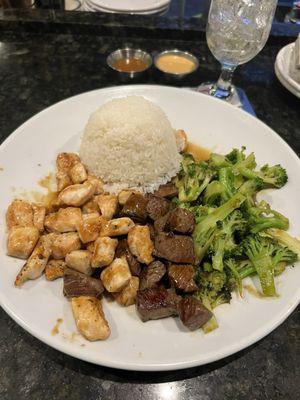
{"type": "Point", "coordinates": [198, 152]}
{"type": "Point", "coordinates": [130, 65]}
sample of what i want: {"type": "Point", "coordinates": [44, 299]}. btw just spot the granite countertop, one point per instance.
{"type": "Point", "coordinates": [39, 69]}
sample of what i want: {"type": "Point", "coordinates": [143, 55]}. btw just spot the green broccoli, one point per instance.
{"type": "Point", "coordinates": [273, 177]}
{"type": "Point", "coordinates": [206, 228]}
{"type": "Point", "coordinates": [192, 178]}
{"type": "Point", "coordinates": [265, 254]}
{"type": "Point", "coordinates": [226, 178]}
{"type": "Point", "coordinates": [213, 193]}
{"type": "Point", "coordinates": [236, 155]}
{"type": "Point", "coordinates": [285, 240]}
{"type": "Point", "coordinates": [261, 217]}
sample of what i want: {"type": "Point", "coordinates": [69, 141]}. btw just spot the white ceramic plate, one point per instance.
{"type": "Point", "coordinates": [29, 154]}
{"type": "Point", "coordinates": [91, 5]}
{"type": "Point", "coordinates": [132, 5]}
{"type": "Point", "coordinates": [282, 66]}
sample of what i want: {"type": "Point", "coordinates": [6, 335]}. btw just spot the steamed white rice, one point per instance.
{"type": "Point", "coordinates": [129, 143]}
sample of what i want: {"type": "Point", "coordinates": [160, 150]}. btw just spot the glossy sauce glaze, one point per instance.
{"type": "Point", "coordinates": [130, 65]}
{"type": "Point", "coordinates": [198, 152]}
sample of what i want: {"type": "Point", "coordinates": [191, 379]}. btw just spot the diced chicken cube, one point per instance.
{"type": "Point", "coordinates": [108, 205]}
{"type": "Point", "coordinates": [97, 183]}
{"type": "Point", "coordinates": [19, 213]}
{"type": "Point", "coordinates": [55, 269]}
{"type": "Point", "coordinates": [62, 180]}
{"type": "Point", "coordinates": [64, 243]}
{"type": "Point", "coordinates": [91, 247]}
{"type": "Point", "coordinates": [126, 297]}
{"type": "Point", "coordinates": [117, 227]}
{"type": "Point", "coordinates": [76, 195]}
{"type": "Point", "coordinates": [80, 260]}
{"type": "Point", "coordinates": [89, 227]}
{"type": "Point", "coordinates": [140, 243]}
{"type": "Point", "coordinates": [104, 251]}
{"type": "Point", "coordinates": [21, 241]}
{"type": "Point", "coordinates": [116, 276]}
{"type": "Point", "coordinates": [89, 318]}
{"type": "Point", "coordinates": [39, 213]}
{"type": "Point", "coordinates": [78, 173]}
{"type": "Point", "coordinates": [65, 220]}
{"type": "Point", "coordinates": [181, 140]}
{"type": "Point", "coordinates": [124, 195]}
{"type": "Point", "coordinates": [37, 262]}
{"type": "Point", "coordinates": [91, 206]}
{"type": "Point", "coordinates": [65, 161]}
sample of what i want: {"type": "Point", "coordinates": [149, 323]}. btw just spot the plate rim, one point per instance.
{"type": "Point", "coordinates": [291, 85]}
{"type": "Point", "coordinates": [237, 347]}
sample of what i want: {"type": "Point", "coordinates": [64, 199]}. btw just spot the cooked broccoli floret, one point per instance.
{"type": "Point", "coordinates": [218, 161]}
{"type": "Point", "coordinates": [262, 217]}
{"type": "Point", "coordinates": [206, 228]}
{"type": "Point", "coordinates": [212, 194]}
{"type": "Point", "coordinates": [274, 176]}
{"type": "Point", "coordinates": [265, 255]}
{"type": "Point", "coordinates": [231, 265]}
{"type": "Point", "coordinates": [248, 164]}
{"type": "Point", "coordinates": [236, 155]}
{"type": "Point", "coordinates": [285, 240]}
{"type": "Point", "coordinates": [192, 178]}
{"type": "Point", "coordinates": [226, 178]}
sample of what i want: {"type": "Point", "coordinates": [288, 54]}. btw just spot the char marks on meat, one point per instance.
{"type": "Point", "coordinates": [192, 313]}
{"type": "Point", "coordinates": [157, 206]}
{"type": "Point", "coordinates": [123, 250]}
{"type": "Point", "coordinates": [181, 221]}
{"type": "Point", "coordinates": [77, 284]}
{"type": "Point", "coordinates": [152, 274]}
{"type": "Point", "coordinates": [156, 303]}
{"type": "Point", "coordinates": [160, 223]}
{"type": "Point", "coordinates": [135, 208]}
{"type": "Point", "coordinates": [168, 190]}
{"type": "Point", "coordinates": [175, 248]}
{"type": "Point", "coordinates": [181, 276]}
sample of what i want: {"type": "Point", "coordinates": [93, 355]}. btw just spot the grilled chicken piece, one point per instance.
{"type": "Point", "coordinates": [108, 205]}
{"type": "Point", "coordinates": [19, 213]}
{"type": "Point", "coordinates": [116, 227]}
{"type": "Point", "coordinates": [39, 213]}
{"type": "Point", "coordinates": [55, 269]}
{"type": "Point", "coordinates": [37, 262]}
{"type": "Point", "coordinates": [65, 220]}
{"type": "Point", "coordinates": [64, 243]}
{"type": "Point", "coordinates": [140, 243]}
{"type": "Point", "coordinates": [65, 161]}
{"type": "Point", "coordinates": [80, 260]}
{"type": "Point", "coordinates": [78, 173]}
{"type": "Point", "coordinates": [91, 247]}
{"type": "Point", "coordinates": [104, 251]}
{"type": "Point", "coordinates": [89, 227]}
{"type": "Point", "coordinates": [76, 195]}
{"type": "Point", "coordinates": [62, 180]}
{"type": "Point", "coordinates": [122, 250]}
{"type": "Point", "coordinates": [116, 276]}
{"type": "Point", "coordinates": [77, 284]}
{"type": "Point", "coordinates": [181, 140]}
{"type": "Point", "coordinates": [126, 297]}
{"type": "Point", "coordinates": [91, 206]}
{"type": "Point", "coordinates": [89, 318]}
{"type": "Point", "coordinates": [21, 241]}
{"type": "Point", "coordinates": [124, 195]}
{"type": "Point", "coordinates": [97, 183]}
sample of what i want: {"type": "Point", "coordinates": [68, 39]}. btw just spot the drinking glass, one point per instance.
{"type": "Point", "coordinates": [237, 30]}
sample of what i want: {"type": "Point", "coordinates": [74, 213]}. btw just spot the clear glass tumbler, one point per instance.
{"type": "Point", "coordinates": [236, 32]}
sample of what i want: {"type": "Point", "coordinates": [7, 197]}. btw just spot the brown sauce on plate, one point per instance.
{"type": "Point", "coordinates": [198, 152]}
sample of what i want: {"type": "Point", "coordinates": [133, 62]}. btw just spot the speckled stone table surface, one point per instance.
{"type": "Point", "coordinates": [37, 70]}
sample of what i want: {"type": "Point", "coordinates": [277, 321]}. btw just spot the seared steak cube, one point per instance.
{"type": "Point", "coordinates": [181, 276]}
{"type": "Point", "coordinates": [192, 313]}
{"type": "Point", "coordinates": [156, 303]}
{"type": "Point", "coordinates": [168, 190]}
{"type": "Point", "coordinates": [175, 248]}
{"type": "Point", "coordinates": [152, 274]}
{"type": "Point", "coordinates": [181, 221]}
{"type": "Point", "coordinates": [157, 207]}
{"type": "Point", "coordinates": [77, 284]}
{"type": "Point", "coordinates": [135, 208]}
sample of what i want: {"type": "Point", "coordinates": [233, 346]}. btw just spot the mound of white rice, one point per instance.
{"type": "Point", "coordinates": [129, 143]}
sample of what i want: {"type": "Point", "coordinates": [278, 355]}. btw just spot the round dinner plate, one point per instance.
{"type": "Point", "coordinates": [29, 154]}
{"type": "Point", "coordinates": [282, 66]}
